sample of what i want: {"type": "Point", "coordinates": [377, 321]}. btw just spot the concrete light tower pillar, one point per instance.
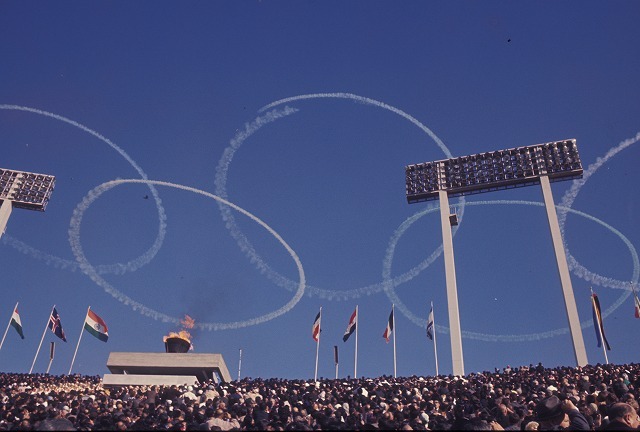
{"type": "Point", "coordinates": [452, 287]}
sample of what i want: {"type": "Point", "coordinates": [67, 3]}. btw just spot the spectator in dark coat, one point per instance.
{"type": "Point", "coordinates": [552, 414]}
{"type": "Point", "coordinates": [622, 416]}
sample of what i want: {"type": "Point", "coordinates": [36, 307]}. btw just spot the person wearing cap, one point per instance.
{"type": "Point", "coordinates": [622, 416]}
{"type": "Point", "coordinates": [554, 414]}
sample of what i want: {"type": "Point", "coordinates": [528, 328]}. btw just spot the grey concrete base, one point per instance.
{"type": "Point", "coordinates": [202, 366]}
{"type": "Point", "coordinates": [117, 380]}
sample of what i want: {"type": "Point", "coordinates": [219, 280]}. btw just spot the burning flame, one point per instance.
{"type": "Point", "coordinates": [182, 334]}
{"type": "Point", "coordinates": [187, 323]}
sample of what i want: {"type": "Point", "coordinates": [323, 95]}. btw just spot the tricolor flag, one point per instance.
{"type": "Point", "coordinates": [353, 322]}
{"type": "Point", "coordinates": [597, 321]}
{"type": "Point", "coordinates": [637, 303]}
{"type": "Point", "coordinates": [315, 329]}
{"type": "Point", "coordinates": [387, 332]}
{"type": "Point", "coordinates": [15, 322]}
{"type": "Point", "coordinates": [55, 326]}
{"type": "Point", "coordinates": [430, 324]}
{"type": "Point", "coordinates": [96, 326]}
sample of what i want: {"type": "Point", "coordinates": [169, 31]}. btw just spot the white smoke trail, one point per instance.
{"type": "Point", "coordinates": [570, 196]}
{"type": "Point", "coordinates": [366, 101]}
{"type": "Point", "coordinates": [65, 264]}
{"type": "Point", "coordinates": [48, 259]}
{"type": "Point", "coordinates": [393, 297]}
{"type": "Point", "coordinates": [89, 270]}
{"type": "Point", "coordinates": [567, 202]}
{"type": "Point", "coordinates": [244, 243]}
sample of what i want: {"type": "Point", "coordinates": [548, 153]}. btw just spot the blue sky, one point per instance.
{"type": "Point", "coordinates": [189, 94]}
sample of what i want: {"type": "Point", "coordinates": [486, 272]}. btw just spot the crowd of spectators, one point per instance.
{"type": "Point", "coordinates": [525, 398]}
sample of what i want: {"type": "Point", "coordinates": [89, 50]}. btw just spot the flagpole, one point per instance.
{"type": "Point", "coordinates": [79, 339]}
{"type": "Point", "coordinates": [53, 348]}
{"type": "Point", "coordinates": [239, 363]}
{"type": "Point", "coordinates": [604, 345]}
{"type": "Point", "coordinates": [393, 313]}
{"type": "Point", "coordinates": [8, 325]}
{"type": "Point", "coordinates": [43, 333]}
{"type": "Point", "coordinates": [355, 365]}
{"type": "Point", "coordinates": [335, 352]}
{"type": "Point", "coordinates": [435, 346]}
{"type": "Point", "coordinates": [315, 375]}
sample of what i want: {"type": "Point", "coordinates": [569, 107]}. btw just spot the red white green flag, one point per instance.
{"type": "Point", "coordinates": [96, 326]}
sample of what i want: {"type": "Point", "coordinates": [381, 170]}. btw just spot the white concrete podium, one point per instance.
{"type": "Point", "coordinates": [131, 368]}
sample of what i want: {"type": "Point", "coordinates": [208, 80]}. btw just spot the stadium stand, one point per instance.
{"type": "Point", "coordinates": [522, 398]}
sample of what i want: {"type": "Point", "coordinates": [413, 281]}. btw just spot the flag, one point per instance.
{"type": "Point", "coordinates": [637, 303]}
{"type": "Point", "coordinates": [335, 354]}
{"type": "Point", "coordinates": [96, 326]}
{"type": "Point", "coordinates": [55, 326]}
{"type": "Point", "coordinates": [315, 329]}
{"type": "Point", "coordinates": [387, 332]}
{"type": "Point", "coordinates": [597, 321]}
{"type": "Point", "coordinates": [430, 324]}
{"type": "Point", "coordinates": [351, 327]}
{"type": "Point", "coordinates": [15, 322]}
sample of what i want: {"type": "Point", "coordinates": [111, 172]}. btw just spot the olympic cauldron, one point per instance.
{"type": "Point", "coordinates": [176, 344]}
{"type": "Point", "coordinates": [176, 366]}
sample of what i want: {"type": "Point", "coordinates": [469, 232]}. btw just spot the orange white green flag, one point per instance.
{"type": "Point", "coordinates": [96, 326]}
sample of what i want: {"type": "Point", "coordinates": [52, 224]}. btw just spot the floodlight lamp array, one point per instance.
{"type": "Point", "coordinates": [26, 190]}
{"type": "Point", "coordinates": [501, 169]}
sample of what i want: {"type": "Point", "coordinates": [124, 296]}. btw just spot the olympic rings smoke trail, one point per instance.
{"type": "Point", "coordinates": [244, 243]}
{"type": "Point", "coordinates": [388, 284]}
{"type": "Point", "coordinates": [89, 270]}
{"type": "Point", "coordinates": [393, 297]}
{"type": "Point", "coordinates": [117, 268]}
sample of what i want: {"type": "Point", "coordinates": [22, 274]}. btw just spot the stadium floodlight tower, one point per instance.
{"type": "Point", "coordinates": [25, 190]}
{"type": "Point", "coordinates": [496, 170]}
